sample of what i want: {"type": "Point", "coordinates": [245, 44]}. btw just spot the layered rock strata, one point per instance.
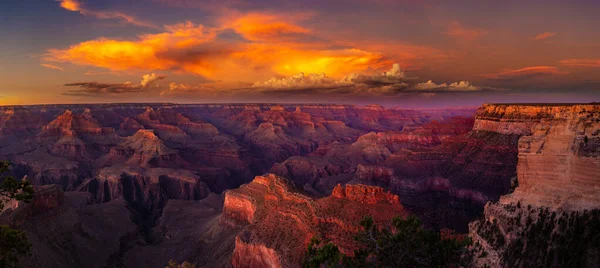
{"type": "Point", "coordinates": [555, 208]}
{"type": "Point", "coordinates": [278, 222]}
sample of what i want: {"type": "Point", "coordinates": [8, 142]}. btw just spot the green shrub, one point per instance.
{"type": "Point", "coordinates": [405, 244]}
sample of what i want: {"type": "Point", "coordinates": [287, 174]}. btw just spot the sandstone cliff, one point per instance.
{"type": "Point", "coordinates": [551, 218]}
{"type": "Point", "coordinates": [278, 222]}
{"type": "Point", "coordinates": [559, 158]}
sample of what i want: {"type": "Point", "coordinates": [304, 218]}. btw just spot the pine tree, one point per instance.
{"type": "Point", "coordinates": [13, 242]}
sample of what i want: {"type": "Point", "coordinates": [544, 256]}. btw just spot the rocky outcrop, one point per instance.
{"type": "Point", "coordinates": [248, 255]}
{"type": "Point", "coordinates": [556, 167]}
{"type": "Point", "coordinates": [18, 121]}
{"type": "Point", "coordinates": [74, 136]}
{"type": "Point", "coordinates": [187, 231]}
{"type": "Point", "coordinates": [66, 231]}
{"type": "Point", "coordinates": [46, 200]}
{"type": "Point", "coordinates": [129, 126]}
{"type": "Point", "coordinates": [556, 201]}
{"type": "Point", "coordinates": [278, 221]}
{"type": "Point", "coordinates": [372, 174]}
{"type": "Point", "coordinates": [308, 170]}
{"type": "Point", "coordinates": [365, 194]}
{"type": "Point", "coordinates": [144, 149]}
{"type": "Point", "coordinates": [149, 187]}
{"type": "Point", "coordinates": [47, 197]}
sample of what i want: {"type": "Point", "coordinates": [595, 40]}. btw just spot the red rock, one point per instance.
{"type": "Point", "coordinates": [365, 194]}
{"type": "Point", "coordinates": [279, 222]}
{"type": "Point", "coordinates": [18, 120]}
{"type": "Point", "coordinates": [247, 255]}
{"type": "Point", "coordinates": [129, 126]}
{"type": "Point", "coordinates": [47, 197]}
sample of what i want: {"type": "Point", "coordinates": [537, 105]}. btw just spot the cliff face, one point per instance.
{"type": "Point", "coordinates": [65, 230]}
{"type": "Point", "coordinates": [278, 222]}
{"type": "Point", "coordinates": [365, 194]}
{"type": "Point", "coordinates": [440, 162]}
{"type": "Point", "coordinates": [559, 158]}
{"type": "Point", "coordinates": [557, 200]}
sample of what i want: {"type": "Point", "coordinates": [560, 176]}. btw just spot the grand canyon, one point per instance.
{"type": "Point", "coordinates": [288, 134]}
{"type": "Point", "coordinates": [249, 185]}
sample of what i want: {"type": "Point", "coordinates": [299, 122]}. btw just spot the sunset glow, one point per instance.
{"type": "Point", "coordinates": [231, 45]}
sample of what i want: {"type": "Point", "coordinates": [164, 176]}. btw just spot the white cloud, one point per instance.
{"type": "Point", "coordinates": [299, 81]}
{"type": "Point", "coordinates": [456, 86]}
{"type": "Point", "coordinates": [149, 79]}
{"type": "Point", "coordinates": [395, 72]}
{"type": "Point", "coordinates": [390, 82]}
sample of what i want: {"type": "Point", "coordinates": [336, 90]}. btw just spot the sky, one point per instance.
{"type": "Point", "coordinates": [392, 52]}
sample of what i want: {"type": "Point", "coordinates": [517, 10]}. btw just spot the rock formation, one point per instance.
{"type": "Point", "coordinates": [278, 222]}
{"type": "Point", "coordinates": [557, 173]}
{"type": "Point", "coordinates": [66, 231]}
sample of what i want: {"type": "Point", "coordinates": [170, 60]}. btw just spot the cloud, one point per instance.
{"type": "Point", "coordinates": [149, 79]}
{"type": "Point", "coordinates": [175, 88]}
{"type": "Point", "coordinates": [71, 5]}
{"type": "Point", "coordinates": [197, 49]}
{"type": "Point", "coordinates": [51, 66]}
{"type": "Point", "coordinates": [525, 73]}
{"type": "Point", "coordinates": [299, 81]}
{"type": "Point", "coordinates": [456, 86]}
{"type": "Point", "coordinates": [321, 80]}
{"type": "Point", "coordinates": [96, 88]}
{"type": "Point", "coordinates": [544, 35]}
{"type": "Point", "coordinates": [393, 76]}
{"type": "Point", "coordinates": [95, 73]}
{"type": "Point", "coordinates": [76, 6]}
{"type": "Point", "coordinates": [267, 27]}
{"type": "Point", "coordinates": [210, 5]}
{"type": "Point", "coordinates": [211, 89]}
{"type": "Point", "coordinates": [391, 82]}
{"type": "Point", "coordinates": [581, 62]}
{"type": "Point", "coordinates": [458, 31]}
{"type": "Point", "coordinates": [141, 54]}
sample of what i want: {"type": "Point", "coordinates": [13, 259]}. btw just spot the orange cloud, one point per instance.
{"type": "Point", "coordinates": [284, 60]}
{"type": "Point", "coordinates": [581, 62]}
{"type": "Point", "coordinates": [544, 35]}
{"type": "Point", "coordinates": [71, 5]}
{"type": "Point", "coordinates": [458, 31]}
{"type": "Point", "coordinates": [76, 6]}
{"type": "Point", "coordinates": [196, 49]}
{"type": "Point", "coordinates": [525, 72]}
{"type": "Point", "coordinates": [266, 27]}
{"type": "Point", "coordinates": [142, 54]}
{"type": "Point", "coordinates": [51, 66]}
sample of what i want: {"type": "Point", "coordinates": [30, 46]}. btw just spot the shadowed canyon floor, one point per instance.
{"type": "Point", "coordinates": [148, 183]}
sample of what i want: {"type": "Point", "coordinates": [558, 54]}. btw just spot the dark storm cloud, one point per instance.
{"type": "Point", "coordinates": [97, 89]}
{"type": "Point", "coordinates": [89, 88]}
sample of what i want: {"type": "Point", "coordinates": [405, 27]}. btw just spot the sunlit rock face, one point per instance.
{"type": "Point", "coordinates": [430, 164]}
{"type": "Point", "coordinates": [365, 194]}
{"type": "Point", "coordinates": [558, 158]}
{"type": "Point", "coordinates": [15, 121]}
{"type": "Point", "coordinates": [278, 221]}
{"type": "Point", "coordinates": [557, 171]}
{"type": "Point", "coordinates": [159, 169]}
